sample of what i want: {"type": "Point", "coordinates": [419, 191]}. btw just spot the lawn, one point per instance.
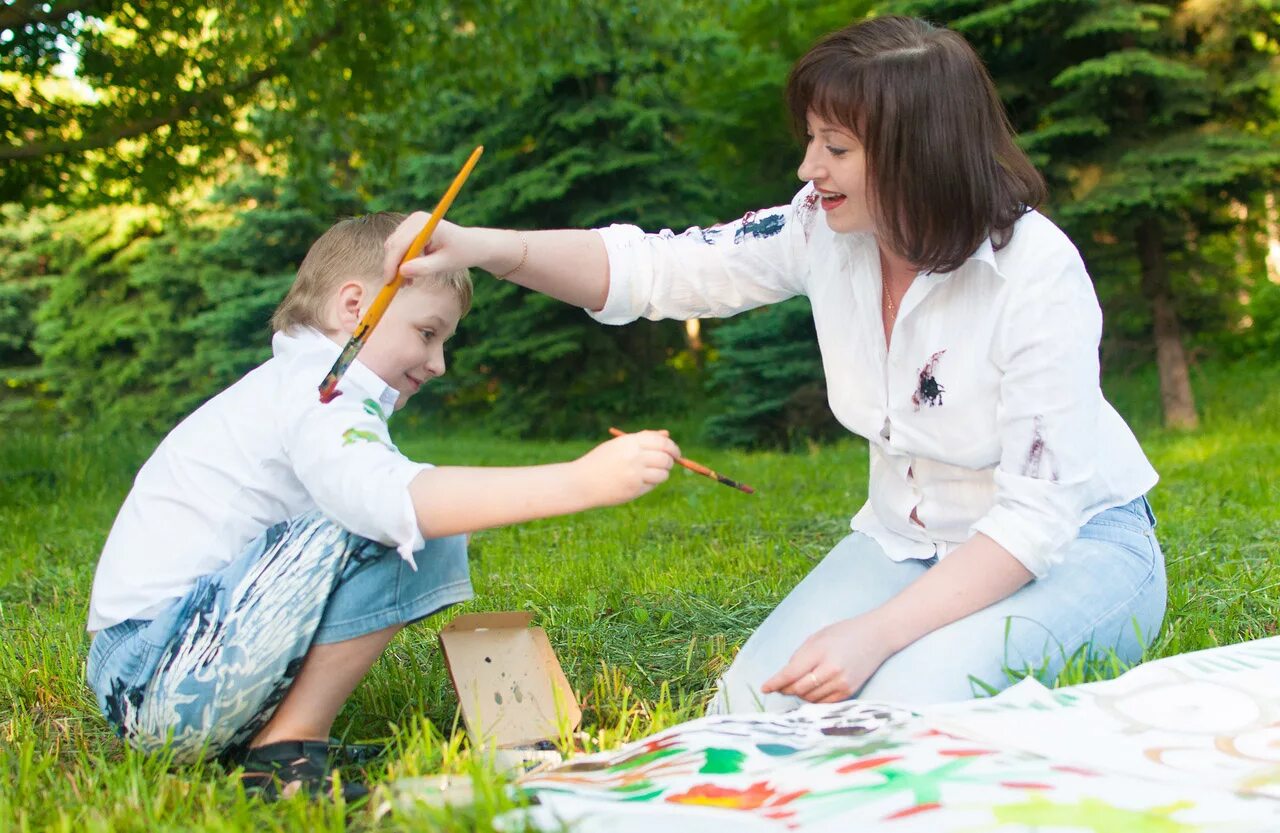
{"type": "Point", "coordinates": [645, 603]}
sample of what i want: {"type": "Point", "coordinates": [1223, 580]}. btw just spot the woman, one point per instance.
{"type": "Point", "coordinates": [1006, 526]}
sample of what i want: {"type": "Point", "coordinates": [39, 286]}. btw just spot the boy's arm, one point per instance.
{"type": "Point", "coordinates": [452, 499]}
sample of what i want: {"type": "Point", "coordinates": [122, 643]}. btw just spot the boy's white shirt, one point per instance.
{"type": "Point", "coordinates": [260, 452]}
{"type": "Point", "coordinates": [1019, 444]}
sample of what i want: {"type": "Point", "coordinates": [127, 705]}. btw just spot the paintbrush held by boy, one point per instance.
{"type": "Point", "coordinates": [272, 545]}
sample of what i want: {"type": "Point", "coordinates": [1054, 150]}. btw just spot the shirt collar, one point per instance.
{"type": "Point", "coordinates": [986, 253]}
{"type": "Point", "coordinates": [358, 380]}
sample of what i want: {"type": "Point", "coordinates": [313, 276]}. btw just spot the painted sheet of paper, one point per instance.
{"type": "Point", "coordinates": [1209, 718]}
{"type": "Point", "coordinates": [1126, 756]}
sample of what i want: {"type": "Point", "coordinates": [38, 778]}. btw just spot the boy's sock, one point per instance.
{"type": "Point", "coordinates": [278, 770]}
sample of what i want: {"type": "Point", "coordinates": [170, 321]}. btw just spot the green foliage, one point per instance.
{"type": "Point", "coordinates": [741, 131]}
{"type": "Point", "coordinates": [160, 89]}
{"type": "Point", "coordinates": [592, 146]}
{"type": "Point", "coordinates": [143, 315]}
{"type": "Point", "coordinates": [26, 246]}
{"type": "Point", "coordinates": [772, 390]}
{"type": "Point", "coordinates": [663, 115]}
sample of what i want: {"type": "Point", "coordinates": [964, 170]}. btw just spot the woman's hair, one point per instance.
{"type": "Point", "coordinates": [943, 171]}
{"type": "Point", "coordinates": [350, 250]}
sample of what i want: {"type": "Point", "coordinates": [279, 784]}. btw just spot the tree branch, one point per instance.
{"type": "Point", "coordinates": [183, 109]}
{"type": "Point", "coordinates": [22, 14]}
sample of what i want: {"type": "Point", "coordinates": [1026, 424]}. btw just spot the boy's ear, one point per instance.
{"type": "Point", "coordinates": [349, 302]}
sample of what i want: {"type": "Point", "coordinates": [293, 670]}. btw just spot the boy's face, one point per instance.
{"type": "Point", "coordinates": [407, 347]}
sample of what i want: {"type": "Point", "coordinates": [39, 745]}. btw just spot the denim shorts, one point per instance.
{"type": "Point", "coordinates": [1105, 599]}
{"type": "Point", "coordinates": [206, 674]}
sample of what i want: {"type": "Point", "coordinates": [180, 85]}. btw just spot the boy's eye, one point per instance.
{"type": "Point", "coordinates": [427, 335]}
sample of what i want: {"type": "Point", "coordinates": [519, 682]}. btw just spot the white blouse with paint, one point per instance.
{"type": "Point", "coordinates": [984, 416]}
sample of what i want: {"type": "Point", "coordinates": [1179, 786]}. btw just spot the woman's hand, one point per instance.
{"type": "Point", "coordinates": [625, 468]}
{"type": "Point", "coordinates": [835, 662]}
{"type": "Point", "coordinates": [451, 247]}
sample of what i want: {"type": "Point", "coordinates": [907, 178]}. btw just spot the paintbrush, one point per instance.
{"type": "Point", "coordinates": [329, 387]}
{"type": "Point", "coordinates": [700, 469]}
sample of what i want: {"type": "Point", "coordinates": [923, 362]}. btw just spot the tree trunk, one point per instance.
{"type": "Point", "coordinates": [1171, 358]}
{"type": "Point", "coordinates": [1272, 225]}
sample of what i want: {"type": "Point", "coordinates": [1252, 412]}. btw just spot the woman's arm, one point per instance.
{"type": "Point", "coordinates": [843, 656]}
{"type": "Point", "coordinates": [569, 264]}
{"type": "Point", "coordinates": [621, 273]}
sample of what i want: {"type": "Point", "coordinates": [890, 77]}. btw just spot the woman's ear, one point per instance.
{"type": "Point", "coordinates": [348, 305]}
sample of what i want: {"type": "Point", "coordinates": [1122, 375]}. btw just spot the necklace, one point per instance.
{"type": "Point", "coordinates": [888, 302]}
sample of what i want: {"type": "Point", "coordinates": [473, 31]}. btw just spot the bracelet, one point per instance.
{"type": "Point", "coordinates": [524, 255]}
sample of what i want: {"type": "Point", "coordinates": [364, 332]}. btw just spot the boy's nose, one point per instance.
{"type": "Point", "coordinates": [436, 364]}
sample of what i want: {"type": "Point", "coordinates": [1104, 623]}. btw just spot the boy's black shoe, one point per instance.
{"type": "Point", "coordinates": [358, 754]}
{"type": "Point", "coordinates": [278, 770]}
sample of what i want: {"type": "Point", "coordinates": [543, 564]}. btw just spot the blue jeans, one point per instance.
{"type": "Point", "coordinates": [207, 673]}
{"type": "Point", "coordinates": [1108, 592]}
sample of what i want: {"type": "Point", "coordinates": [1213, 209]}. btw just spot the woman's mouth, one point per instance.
{"type": "Point", "coordinates": [831, 201]}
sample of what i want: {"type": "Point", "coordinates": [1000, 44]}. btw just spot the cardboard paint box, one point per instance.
{"type": "Point", "coordinates": [511, 689]}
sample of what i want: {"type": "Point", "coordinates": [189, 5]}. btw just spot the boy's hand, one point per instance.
{"type": "Point", "coordinates": [626, 467]}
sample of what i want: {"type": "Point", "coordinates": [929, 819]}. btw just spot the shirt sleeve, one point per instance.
{"type": "Point", "coordinates": [760, 258]}
{"type": "Point", "coordinates": [1050, 403]}
{"type": "Point", "coordinates": [344, 457]}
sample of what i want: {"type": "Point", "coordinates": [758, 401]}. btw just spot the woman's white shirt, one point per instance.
{"type": "Point", "coordinates": [984, 415]}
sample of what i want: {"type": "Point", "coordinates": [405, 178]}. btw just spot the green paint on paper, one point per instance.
{"type": "Point", "coordinates": [723, 761]}
{"type": "Point", "coordinates": [1094, 815]}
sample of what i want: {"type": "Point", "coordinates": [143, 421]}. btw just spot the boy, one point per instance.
{"type": "Point", "coordinates": [272, 545]}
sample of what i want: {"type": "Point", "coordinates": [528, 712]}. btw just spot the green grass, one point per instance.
{"type": "Point", "coordinates": [644, 603]}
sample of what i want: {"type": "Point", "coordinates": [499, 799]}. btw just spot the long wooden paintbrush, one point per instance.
{"type": "Point", "coordinates": [700, 469]}
{"type": "Point", "coordinates": [329, 387]}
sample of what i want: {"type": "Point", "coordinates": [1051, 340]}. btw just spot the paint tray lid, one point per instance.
{"type": "Point", "coordinates": [511, 688]}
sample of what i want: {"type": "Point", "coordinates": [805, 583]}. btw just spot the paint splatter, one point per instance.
{"type": "Point", "coordinates": [809, 213]}
{"type": "Point", "coordinates": [374, 409]}
{"type": "Point", "coordinates": [1039, 455]}
{"type": "Point", "coordinates": [710, 235]}
{"type": "Point", "coordinates": [928, 390]}
{"type": "Point", "coordinates": [763, 227]}
{"type": "Point", "coordinates": [353, 435]}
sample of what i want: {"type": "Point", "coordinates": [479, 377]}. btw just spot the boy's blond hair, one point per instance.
{"type": "Point", "coordinates": [350, 249]}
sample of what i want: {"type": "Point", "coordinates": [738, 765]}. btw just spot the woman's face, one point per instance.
{"type": "Point", "coordinates": [834, 163]}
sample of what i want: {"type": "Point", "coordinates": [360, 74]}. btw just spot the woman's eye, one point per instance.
{"type": "Point", "coordinates": [836, 152]}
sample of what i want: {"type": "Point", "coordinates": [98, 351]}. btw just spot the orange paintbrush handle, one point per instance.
{"type": "Point", "coordinates": [388, 291]}
{"type": "Point", "coordinates": [329, 387]}
{"type": "Point", "coordinates": [700, 469]}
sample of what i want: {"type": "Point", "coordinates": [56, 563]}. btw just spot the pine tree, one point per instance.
{"type": "Point", "coordinates": [1149, 120]}
{"type": "Point", "coordinates": [596, 143]}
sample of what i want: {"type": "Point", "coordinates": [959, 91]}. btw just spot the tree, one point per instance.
{"type": "Point", "coordinates": [596, 144]}
{"type": "Point", "coordinates": [1149, 119]}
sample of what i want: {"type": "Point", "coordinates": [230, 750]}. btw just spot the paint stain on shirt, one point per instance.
{"type": "Point", "coordinates": [374, 409]}
{"type": "Point", "coordinates": [1039, 456]}
{"type": "Point", "coordinates": [928, 389]}
{"type": "Point", "coordinates": [760, 228]}
{"type": "Point", "coordinates": [809, 213]}
{"type": "Point", "coordinates": [354, 435]}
